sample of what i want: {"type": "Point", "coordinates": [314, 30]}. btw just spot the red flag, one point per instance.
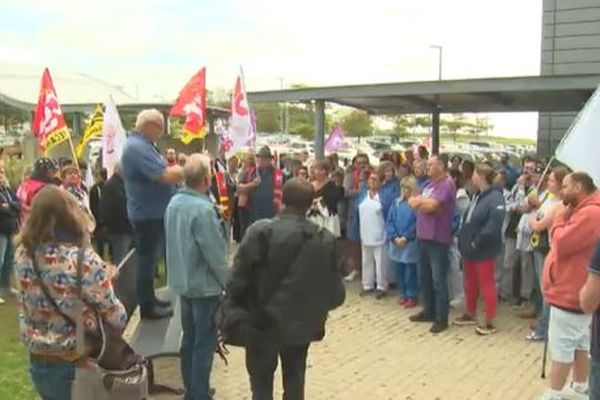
{"type": "Point", "coordinates": [191, 104]}
{"type": "Point", "coordinates": [48, 121]}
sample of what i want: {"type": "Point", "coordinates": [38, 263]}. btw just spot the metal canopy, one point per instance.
{"type": "Point", "coordinates": [530, 93]}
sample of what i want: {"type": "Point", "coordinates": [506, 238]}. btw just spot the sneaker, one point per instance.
{"type": "Point", "coordinates": [438, 327]}
{"type": "Point", "coordinates": [2, 301]}
{"type": "Point", "coordinates": [487, 329]}
{"type": "Point", "coordinates": [351, 276]}
{"type": "Point", "coordinates": [551, 395]}
{"type": "Point", "coordinates": [464, 320]}
{"type": "Point", "coordinates": [534, 337]}
{"type": "Point", "coordinates": [380, 294]}
{"type": "Point", "coordinates": [420, 317]}
{"type": "Point", "coordinates": [401, 301]}
{"type": "Point", "coordinates": [573, 392]}
{"type": "Point", "coordinates": [366, 292]}
{"type": "Point", "coordinates": [410, 304]}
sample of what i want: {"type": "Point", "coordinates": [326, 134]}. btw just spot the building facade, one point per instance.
{"type": "Point", "coordinates": [570, 46]}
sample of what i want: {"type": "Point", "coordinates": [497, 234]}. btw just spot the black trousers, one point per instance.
{"type": "Point", "coordinates": [262, 363]}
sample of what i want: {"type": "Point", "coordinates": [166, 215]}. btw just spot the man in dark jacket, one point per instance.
{"type": "Point", "coordinates": [96, 193]}
{"type": "Point", "coordinates": [480, 243]}
{"type": "Point", "coordinates": [113, 211]}
{"type": "Point", "coordinates": [287, 276]}
{"type": "Point", "coordinates": [9, 223]}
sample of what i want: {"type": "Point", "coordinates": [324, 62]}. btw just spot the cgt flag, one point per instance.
{"type": "Point", "coordinates": [241, 128]}
{"type": "Point", "coordinates": [93, 130]}
{"type": "Point", "coordinates": [113, 137]}
{"type": "Point", "coordinates": [191, 104]}
{"type": "Point", "coordinates": [48, 124]}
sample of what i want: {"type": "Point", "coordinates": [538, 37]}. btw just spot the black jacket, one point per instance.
{"type": "Point", "coordinates": [96, 193]}
{"type": "Point", "coordinates": [113, 207]}
{"type": "Point", "coordinates": [480, 236]}
{"type": "Point", "coordinates": [287, 276]}
{"type": "Point", "coordinates": [9, 211]}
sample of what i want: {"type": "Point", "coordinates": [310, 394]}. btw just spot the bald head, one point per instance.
{"type": "Point", "coordinates": [298, 195]}
{"type": "Point", "coordinates": [150, 123]}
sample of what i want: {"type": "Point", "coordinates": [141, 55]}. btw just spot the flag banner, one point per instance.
{"type": "Point", "coordinates": [336, 140]}
{"type": "Point", "coordinates": [48, 124]}
{"type": "Point", "coordinates": [191, 104]}
{"type": "Point", "coordinates": [241, 128]}
{"type": "Point", "coordinates": [93, 130]}
{"type": "Point", "coordinates": [577, 149]}
{"type": "Point", "coordinates": [113, 137]}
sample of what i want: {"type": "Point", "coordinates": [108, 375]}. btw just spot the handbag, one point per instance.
{"type": "Point", "coordinates": [117, 371]}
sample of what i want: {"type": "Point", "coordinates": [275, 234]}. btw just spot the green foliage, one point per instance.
{"type": "Point", "coordinates": [402, 124]}
{"type": "Point", "coordinates": [357, 123]}
{"type": "Point", "coordinates": [268, 116]}
{"type": "Point", "coordinates": [14, 378]}
{"type": "Point", "coordinates": [15, 170]}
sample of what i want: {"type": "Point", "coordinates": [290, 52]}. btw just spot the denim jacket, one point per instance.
{"type": "Point", "coordinates": [196, 246]}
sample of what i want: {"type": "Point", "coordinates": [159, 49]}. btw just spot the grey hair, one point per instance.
{"type": "Point", "coordinates": [148, 116]}
{"type": "Point", "coordinates": [196, 169]}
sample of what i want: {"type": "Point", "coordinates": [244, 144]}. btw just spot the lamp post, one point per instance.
{"type": "Point", "coordinates": [440, 58]}
{"type": "Point", "coordinates": [283, 113]}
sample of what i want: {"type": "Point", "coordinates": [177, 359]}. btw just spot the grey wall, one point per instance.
{"type": "Point", "coordinates": [570, 45]}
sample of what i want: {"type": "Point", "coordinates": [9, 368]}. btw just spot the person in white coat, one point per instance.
{"type": "Point", "coordinates": [372, 237]}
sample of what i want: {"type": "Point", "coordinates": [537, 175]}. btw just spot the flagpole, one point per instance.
{"type": "Point", "coordinates": [248, 104]}
{"type": "Point", "coordinates": [73, 151]}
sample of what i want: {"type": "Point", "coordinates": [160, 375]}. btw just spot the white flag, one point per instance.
{"type": "Point", "coordinates": [578, 149]}
{"type": "Point", "coordinates": [113, 137]}
{"type": "Point", "coordinates": [240, 127]}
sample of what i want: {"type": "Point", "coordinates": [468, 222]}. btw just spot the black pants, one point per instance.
{"type": "Point", "coordinates": [262, 363]}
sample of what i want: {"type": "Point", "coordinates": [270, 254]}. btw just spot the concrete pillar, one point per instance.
{"type": "Point", "coordinates": [77, 126]}
{"type": "Point", "coordinates": [320, 129]}
{"type": "Point", "coordinates": [435, 131]}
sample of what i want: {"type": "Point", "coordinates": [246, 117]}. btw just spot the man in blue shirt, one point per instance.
{"type": "Point", "coordinates": [149, 185]}
{"type": "Point", "coordinates": [197, 261]}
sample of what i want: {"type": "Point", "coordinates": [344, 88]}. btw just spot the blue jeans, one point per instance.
{"type": "Point", "coordinates": [434, 264]}
{"type": "Point", "coordinates": [52, 381]}
{"type": "Point", "coordinates": [542, 307]}
{"type": "Point", "coordinates": [198, 345]}
{"type": "Point", "coordinates": [7, 261]}
{"type": "Point", "coordinates": [406, 280]}
{"type": "Point", "coordinates": [150, 242]}
{"type": "Point", "coordinates": [119, 245]}
{"type": "Point", "coordinates": [594, 379]}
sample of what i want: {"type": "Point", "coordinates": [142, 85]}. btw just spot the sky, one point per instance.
{"type": "Point", "coordinates": [152, 47]}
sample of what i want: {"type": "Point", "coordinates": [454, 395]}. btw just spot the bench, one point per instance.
{"type": "Point", "coordinates": [151, 338]}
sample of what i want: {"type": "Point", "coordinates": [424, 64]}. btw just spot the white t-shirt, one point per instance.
{"type": "Point", "coordinates": [372, 224]}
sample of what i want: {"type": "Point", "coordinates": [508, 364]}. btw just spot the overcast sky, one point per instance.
{"type": "Point", "coordinates": [156, 45]}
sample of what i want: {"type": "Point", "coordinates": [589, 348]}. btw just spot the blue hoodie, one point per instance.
{"type": "Point", "coordinates": [402, 222]}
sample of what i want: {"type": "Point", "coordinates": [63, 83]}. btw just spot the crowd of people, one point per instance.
{"type": "Point", "coordinates": [438, 233]}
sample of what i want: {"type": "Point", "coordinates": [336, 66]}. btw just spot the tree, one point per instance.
{"type": "Point", "coordinates": [267, 117]}
{"type": "Point", "coordinates": [357, 123]}
{"type": "Point", "coordinates": [402, 124]}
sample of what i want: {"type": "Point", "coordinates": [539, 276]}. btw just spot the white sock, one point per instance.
{"type": "Point", "coordinates": [552, 394]}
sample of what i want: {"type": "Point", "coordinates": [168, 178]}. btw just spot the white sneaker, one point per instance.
{"type": "Point", "coordinates": [571, 393]}
{"type": "Point", "coordinates": [351, 276]}
{"type": "Point", "coordinates": [551, 395]}
{"type": "Point", "coordinates": [2, 301]}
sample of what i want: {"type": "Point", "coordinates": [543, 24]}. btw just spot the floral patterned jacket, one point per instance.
{"type": "Point", "coordinates": [43, 329]}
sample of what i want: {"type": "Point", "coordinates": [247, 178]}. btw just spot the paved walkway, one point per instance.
{"type": "Point", "coordinates": [373, 352]}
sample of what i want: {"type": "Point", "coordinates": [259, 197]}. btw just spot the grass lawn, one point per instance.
{"type": "Point", "coordinates": [14, 377]}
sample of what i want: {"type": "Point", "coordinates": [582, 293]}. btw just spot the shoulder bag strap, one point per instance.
{"type": "Point", "coordinates": [78, 323]}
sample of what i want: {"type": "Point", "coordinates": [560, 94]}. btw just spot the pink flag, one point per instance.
{"type": "Point", "coordinates": [336, 140]}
